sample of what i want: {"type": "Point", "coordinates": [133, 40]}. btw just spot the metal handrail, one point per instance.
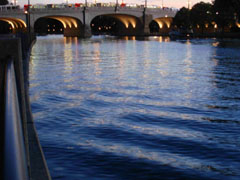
{"type": "Point", "coordinates": [15, 163]}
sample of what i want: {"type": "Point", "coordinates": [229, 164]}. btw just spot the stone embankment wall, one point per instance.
{"type": "Point", "coordinates": [18, 48]}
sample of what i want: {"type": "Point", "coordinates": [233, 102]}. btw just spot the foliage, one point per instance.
{"type": "Point", "coordinates": [226, 11]}
{"type": "Point", "coordinates": [3, 2]}
{"type": "Point", "coordinates": [223, 12]}
{"type": "Point", "coordinates": [181, 20]}
{"type": "Point", "coordinates": [201, 14]}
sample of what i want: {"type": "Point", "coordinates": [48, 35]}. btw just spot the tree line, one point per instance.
{"type": "Point", "coordinates": [223, 15]}
{"type": "Point", "coordinates": [3, 2]}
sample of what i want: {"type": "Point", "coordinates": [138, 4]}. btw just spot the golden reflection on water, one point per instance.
{"type": "Point", "coordinates": [121, 61]}
{"type": "Point", "coordinates": [188, 71]}
{"type": "Point", "coordinates": [97, 59]}
{"type": "Point", "coordinates": [188, 62]}
{"type": "Point", "coordinates": [36, 57]}
{"type": "Point", "coordinates": [160, 38]}
{"type": "Point", "coordinates": [129, 38]}
{"type": "Point", "coordinates": [68, 56]}
{"type": "Point", "coordinates": [215, 44]}
{"type": "Point", "coordinates": [76, 47]}
{"type": "Point", "coordinates": [167, 39]}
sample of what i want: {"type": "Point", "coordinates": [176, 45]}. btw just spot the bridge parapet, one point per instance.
{"type": "Point", "coordinates": [36, 10]}
{"type": "Point", "coordinates": [10, 8]}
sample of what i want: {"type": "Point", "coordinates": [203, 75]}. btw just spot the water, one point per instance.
{"type": "Point", "coordinates": [108, 108]}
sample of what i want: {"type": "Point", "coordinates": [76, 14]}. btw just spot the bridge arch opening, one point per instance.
{"type": "Point", "coordinates": [12, 25]}
{"type": "Point", "coordinates": [68, 26]}
{"type": "Point", "coordinates": [160, 25]}
{"type": "Point", "coordinates": [5, 27]}
{"type": "Point", "coordinates": [115, 24]}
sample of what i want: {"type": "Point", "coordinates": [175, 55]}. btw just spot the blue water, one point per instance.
{"type": "Point", "coordinates": [109, 108]}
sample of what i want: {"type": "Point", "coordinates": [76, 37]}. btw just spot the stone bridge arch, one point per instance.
{"type": "Point", "coordinates": [55, 24]}
{"type": "Point", "coordinates": [91, 13]}
{"type": "Point", "coordinates": [12, 25]}
{"type": "Point", "coordinates": [116, 24]}
{"type": "Point", "coordinates": [161, 25]}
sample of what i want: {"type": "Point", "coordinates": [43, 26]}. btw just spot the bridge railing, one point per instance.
{"type": "Point", "coordinates": [80, 6]}
{"type": "Point", "coordinates": [15, 159]}
{"type": "Point", "coordinates": [54, 9]}
{"type": "Point", "coordinates": [9, 8]}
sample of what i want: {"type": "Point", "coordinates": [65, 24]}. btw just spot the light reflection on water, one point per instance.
{"type": "Point", "coordinates": [164, 109]}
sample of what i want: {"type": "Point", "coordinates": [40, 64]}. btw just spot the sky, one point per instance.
{"type": "Point", "coordinates": [166, 3]}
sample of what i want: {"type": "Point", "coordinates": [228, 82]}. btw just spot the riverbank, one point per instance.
{"type": "Point", "coordinates": [231, 35]}
{"type": "Point", "coordinates": [218, 35]}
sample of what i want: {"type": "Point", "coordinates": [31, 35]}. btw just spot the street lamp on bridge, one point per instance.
{"type": "Point", "coordinates": [28, 17]}
{"type": "Point", "coordinates": [189, 4]}
{"type": "Point", "coordinates": [116, 7]}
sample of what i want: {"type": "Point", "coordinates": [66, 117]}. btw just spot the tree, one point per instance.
{"type": "Point", "coordinates": [227, 12]}
{"type": "Point", "coordinates": [201, 14]}
{"type": "Point", "coordinates": [182, 19]}
{"type": "Point", "coordinates": [3, 2]}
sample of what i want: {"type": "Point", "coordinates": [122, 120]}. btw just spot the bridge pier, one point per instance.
{"type": "Point", "coordinates": [72, 32]}
{"type": "Point", "coordinates": [87, 33]}
{"type": "Point", "coordinates": [146, 21]}
{"type": "Point", "coordinates": [83, 32]}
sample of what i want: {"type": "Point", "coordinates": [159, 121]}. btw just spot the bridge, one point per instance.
{"type": "Point", "coordinates": [83, 21]}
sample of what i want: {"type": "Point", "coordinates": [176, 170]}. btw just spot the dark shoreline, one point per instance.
{"type": "Point", "coordinates": [206, 35]}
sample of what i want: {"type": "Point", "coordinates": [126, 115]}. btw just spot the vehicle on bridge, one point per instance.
{"type": "Point", "coordinates": [27, 7]}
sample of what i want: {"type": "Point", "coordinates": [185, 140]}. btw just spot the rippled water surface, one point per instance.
{"type": "Point", "coordinates": [108, 108]}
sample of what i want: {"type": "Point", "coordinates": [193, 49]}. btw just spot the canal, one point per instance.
{"type": "Point", "coordinates": [127, 108]}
